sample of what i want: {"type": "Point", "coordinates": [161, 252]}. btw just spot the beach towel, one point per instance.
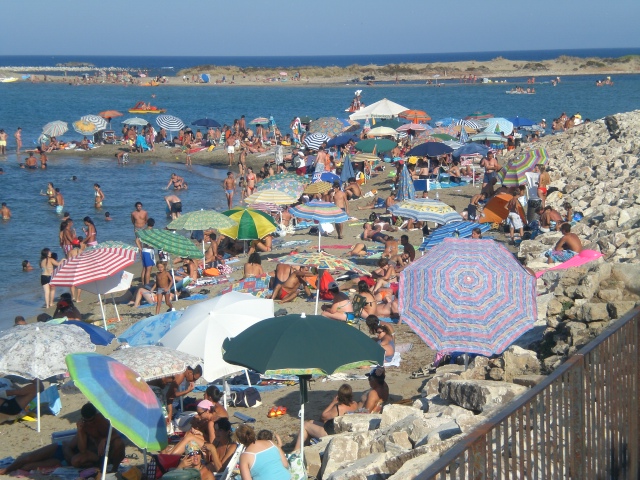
{"type": "Point", "coordinates": [49, 401]}
{"type": "Point", "coordinates": [258, 287]}
{"type": "Point", "coordinates": [585, 256]}
{"type": "Point", "coordinates": [395, 361]}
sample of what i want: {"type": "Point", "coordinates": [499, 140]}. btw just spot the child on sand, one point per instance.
{"type": "Point", "coordinates": [162, 287]}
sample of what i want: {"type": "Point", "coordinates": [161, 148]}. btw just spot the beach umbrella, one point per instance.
{"type": "Point", "coordinates": [347, 170]}
{"type": "Point", "coordinates": [328, 177]}
{"type": "Point", "coordinates": [321, 212]}
{"type": "Point", "coordinates": [415, 116]}
{"type": "Point", "coordinates": [412, 127]}
{"type": "Point", "coordinates": [468, 295]}
{"type": "Point", "coordinates": [206, 122]}
{"type": "Point", "coordinates": [306, 119]}
{"type": "Point", "coordinates": [275, 197]}
{"type": "Point", "coordinates": [487, 136]}
{"type": "Point", "coordinates": [379, 145]}
{"type": "Point", "coordinates": [137, 121]}
{"type": "Point", "coordinates": [266, 207]}
{"type": "Point", "coordinates": [109, 114]}
{"type": "Point", "coordinates": [55, 128]}
{"type": "Point", "coordinates": [478, 116]}
{"type": "Point", "coordinates": [462, 229]}
{"type": "Point", "coordinates": [497, 125]}
{"type": "Point", "coordinates": [450, 130]}
{"type": "Point", "coordinates": [443, 136]}
{"type": "Point", "coordinates": [430, 149]}
{"type": "Point", "coordinates": [170, 123]}
{"type": "Point", "coordinates": [474, 124]}
{"type": "Point", "coordinates": [149, 331]}
{"type": "Point", "coordinates": [384, 108]}
{"type": "Point", "coordinates": [201, 220]}
{"type": "Point", "coordinates": [445, 122]}
{"type": "Point", "coordinates": [97, 335]}
{"type": "Point", "coordinates": [37, 351]}
{"type": "Point", "coordinates": [394, 123]}
{"type": "Point", "coordinates": [364, 157]}
{"type": "Point", "coordinates": [288, 183]}
{"type": "Point", "coordinates": [252, 224]}
{"type": "Point", "coordinates": [453, 144]}
{"type": "Point", "coordinates": [317, 187]}
{"type": "Point", "coordinates": [464, 136]}
{"type": "Point", "coordinates": [514, 173]}
{"type": "Point", "coordinates": [330, 126]}
{"type": "Point", "coordinates": [97, 120]}
{"type": "Point", "coordinates": [122, 397]}
{"type": "Point", "coordinates": [420, 139]}
{"type": "Point", "coordinates": [426, 210]}
{"type": "Point", "coordinates": [84, 127]}
{"type": "Point", "coordinates": [350, 125]}
{"type": "Point", "coordinates": [471, 149]}
{"type": "Point", "coordinates": [406, 191]}
{"type": "Point", "coordinates": [342, 139]}
{"type": "Point", "coordinates": [205, 77]}
{"type": "Point", "coordinates": [259, 121]}
{"type": "Point", "coordinates": [153, 361]}
{"type": "Point", "coordinates": [114, 244]}
{"type": "Point", "coordinates": [314, 141]}
{"type": "Point", "coordinates": [519, 122]}
{"type": "Point", "coordinates": [205, 325]}
{"type": "Point", "coordinates": [302, 345]}
{"type": "Point", "coordinates": [382, 132]}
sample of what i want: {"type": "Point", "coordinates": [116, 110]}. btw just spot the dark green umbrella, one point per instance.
{"type": "Point", "coordinates": [301, 345]}
{"type": "Point", "coordinates": [380, 145]}
{"type": "Point", "coordinates": [389, 122]}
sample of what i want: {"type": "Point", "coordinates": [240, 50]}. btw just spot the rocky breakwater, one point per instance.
{"type": "Point", "coordinates": [595, 168]}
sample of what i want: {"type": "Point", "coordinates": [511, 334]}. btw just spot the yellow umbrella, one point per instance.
{"type": "Point", "coordinates": [318, 187]}
{"type": "Point", "coordinates": [252, 224]}
{"type": "Point", "coordinates": [84, 127]}
{"type": "Point", "coordinates": [270, 196]}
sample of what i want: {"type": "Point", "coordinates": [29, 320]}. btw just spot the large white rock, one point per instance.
{"type": "Point", "coordinates": [477, 395]}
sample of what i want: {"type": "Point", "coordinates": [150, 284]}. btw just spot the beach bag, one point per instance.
{"type": "Point", "coordinates": [325, 280]}
{"type": "Point", "coordinates": [296, 467]}
{"type": "Point", "coordinates": [247, 398]}
{"type": "Point", "coordinates": [160, 464]}
{"type": "Point", "coordinates": [212, 272]}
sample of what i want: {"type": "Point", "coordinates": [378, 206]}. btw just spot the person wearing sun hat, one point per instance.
{"type": "Point", "coordinates": [374, 399]}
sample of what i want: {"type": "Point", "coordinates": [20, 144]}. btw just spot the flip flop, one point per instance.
{"type": "Point", "coordinates": [272, 413]}
{"type": "Point", "coordinates": [281, 411]}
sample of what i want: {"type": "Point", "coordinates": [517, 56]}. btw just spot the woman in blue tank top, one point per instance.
{"type": "Point", "coordinates": [262, 459]}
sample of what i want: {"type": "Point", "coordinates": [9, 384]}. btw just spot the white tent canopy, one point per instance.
{"type": "Point", "coordinates": [382, 109]}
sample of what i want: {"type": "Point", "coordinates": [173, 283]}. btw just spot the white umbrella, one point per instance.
{"type": "Point", "coordinates": [153, 361]}
{"type": "Point", "coordinates": [204, 326]}
{"type": "Point", "coordinates": [382, 132]}
{"type": "Point", "coordinates": [382, 109]}
{"type": "Point", "coordinates": [140, 122]}
{"type": "Point", "coordinates": [37, 351]}
{"type": "Point", "coordinates": [119, 282]}
{"type": "Point", "coordinates": [98, 121]}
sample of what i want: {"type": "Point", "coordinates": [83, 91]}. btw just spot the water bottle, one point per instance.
{"type": "Point", "coordinates": [437, 196]}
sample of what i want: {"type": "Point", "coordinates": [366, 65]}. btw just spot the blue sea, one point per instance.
{"type": "Point", "coordinates": [35, 225]}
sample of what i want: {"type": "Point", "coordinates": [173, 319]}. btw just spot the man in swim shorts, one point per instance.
{"type": "Point", "coordinates": [3, 142]}
{"type": "Point", "coordinates": [230, 143]}
{"type": "Point", "coordinates": [59, 201]}
{"type": "Point", "coordinates": [353, 190]}
{"type": "Point", "coordinates": [139, 217]}
{"type": "Point", "coordinates": [229, 185]}
{"type": "Point", "coordinates": [567, 247]}
{"type": "Point", "coordinates": [174, 204]}
{"type": "Point", "coordinates": [5, 211]}
{"type": "Point", "coordinates": [490, 165]}
{"type": "Point", "coordinates": [148, 255]}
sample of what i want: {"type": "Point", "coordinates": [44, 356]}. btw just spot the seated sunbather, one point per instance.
{"type": "Point", "coordinates": [340, 306]}
{"type": "Point", "coordinates": [288, 291]}
{"type": "Point", "coordinates": [374, 399]}
{"type": "Point", "coordinates": [374, 233]}
{"type": "Point", "coordinates": [253, 267]}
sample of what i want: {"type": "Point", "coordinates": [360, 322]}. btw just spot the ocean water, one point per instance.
{"type": "Point", "coordinates": [35, 225]}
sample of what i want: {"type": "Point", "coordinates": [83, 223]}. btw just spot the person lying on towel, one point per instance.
{"type": "Point", "coordinates": [567, 247]}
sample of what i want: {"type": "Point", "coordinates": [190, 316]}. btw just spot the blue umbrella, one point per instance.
{"type": "Point", "coordinates": [205, 77]}
{"type": "Point", "coordinates": [149, 331]}
{"type": "Point", "coordinates": [97, 335]}
{"type": "Point", "coordinates": [342, 139]}
{"type": "Point", "coordinates": [406, 191]}
{"type": "Point", "coordinates": [206, 122]}
{"type": "Point", "coordinates": [429, 149]}
{"type": "Point", "coordinates": [347, 170]}
{"type": "Point", "coordinates": [326, 177]}
{"type": "Point", "coordinates": [471, 149]}
{"type": "Point", "coordinates": [445, 122]}
{"type": "Point", "coordinates": [521, 122]}
{"type": "Point", "coordinates": [456, 229]}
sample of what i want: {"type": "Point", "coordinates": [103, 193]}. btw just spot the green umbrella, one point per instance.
{"type": "Point", "coordinates": [202, 220]}
{"type": "Point", "coordinates": [389, 122]}
{"type": "Point", "coordinates": [169, 242]}
{"type": "Point", "coordinates": [306, 119]}
{"type": "Point", "coordinates": [250, 224]}
{"type": "Point", "coordinates": [380, 145]}
{"type": "Point", "coordinates": [301, 345]}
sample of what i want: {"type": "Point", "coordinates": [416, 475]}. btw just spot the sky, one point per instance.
{"type": "Point", "coordinates": [303, 27]}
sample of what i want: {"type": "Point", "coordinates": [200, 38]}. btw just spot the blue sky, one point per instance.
{"type": "Point", "coordinates": [302, 27]}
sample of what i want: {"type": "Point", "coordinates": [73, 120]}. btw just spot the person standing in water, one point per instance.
{"type": "Point", "coordinates": [18, 137]}
{"type": "Point", "coordinates": [229, 186]}
{"type": "Point", "coordinates": [98, 195]}
{"type": "Point", "coordinates": [47, 263]}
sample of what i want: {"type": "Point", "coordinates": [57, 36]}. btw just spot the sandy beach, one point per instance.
{"type": "Point", "coordinates": [22, 436]}
{"type": "Point", "coordinates": [497, 69]}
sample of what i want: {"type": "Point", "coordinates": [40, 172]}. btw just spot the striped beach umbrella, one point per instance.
{"type": "Point", "coordinates": [323, 212]}
{"type": "Point", "coordinates": [414, 127]}
{"type": "Point", "coordinates": [479, 116]}
{"type": "Point", "coordinates": [252, 224]}
{"type": "Point", "coordinates": [330, 126]}
{"type": "Point", "coordinates": [317, 187]}
{"type": "Point", "coordinates": [114, 244]}
{"type": "Point", "coordinates": [259, 121]}
{"type": "Point", "coordinates": [314, 141]}
{"type": "Point", "coordinates": [170, 123]}
{"type": "Point", "coordinates": [426, 210]}
{"type": "Point", "coordinates": [266, 207]}
{"type": "Point", "coordinates": [84, 127]}
{"type": "Point", "coordinates": [55, 128]}
{"type": "Point", "coordinates": [364, 157]}
{"type": "Point", "coordinates": [475, 124]}
{"type": "Point", "coordinates": [92, 265]}
{"type": "Point", "coordinates": [97, 120]}
{"type": "Point", "coordinates": [137, 121]}
{"type": "Point", "coordinates": [464, 136]}
{"type": "Point", "coordinates": [122, 396]}
{"type": "Point", "coordinates": [452, 230]}
{"type": "Point", "coordinates": [271, 196]}
{"type": "Point", "coordinates": [514, 173]}
{"type": "Point", "coordinates": [498, 125]}
{"type": "Point", "coordinates": [468, 295]}
{"type": "Point", "coordinates": [201, 220]}
{"type": "Point", "coordinates": [323, 261]}
{"type": "Point", "coordinates": [406, 191]}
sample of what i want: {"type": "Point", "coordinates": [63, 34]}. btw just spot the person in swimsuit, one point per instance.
{"type": "Point", "coordinates": [14, 400]}
{"type": "Point", "coordinates": [194, 459]}
{"type": "Point", "coordinates": [262, 459]}
{"type": "Point", "coordinates": [281, 274]}
{"type": "Point", "coordinates": [90, 232]}
{"type": "Point", "coordinates": [543, 183]}
{"type": "Point", "coordinates": [59, 201]}
{"type": "Point", "coordinates": [490, 165]}
{"type": "Point", "coordinates": [218, 453]}
{"type": "Point", "coordinates": [174, 204]}
{"type": "Point", "coordinates": [229, 186]}
{"type": "Point", "coordinates": [47, 265]}
{"type": "Point", "coordinates": [177, 182]}
{"type": "Point", "coordinates": [385, 340]}
{"type": "Point", "coordinates": [253, 267]}
{"type": "Point", "coordinates": [99, 196]}
{"type": "Point", "coordinates": [51, 194]}
{"type": "Point", "coordinates": [18, 137]}
{"type": "Point", "coordinates": [5, 211]}
{"type": "Point", "coordinates": [340, 306]}
{"type": "Point", "coordinates": [202, 429]}
{"type": "Point", "coordinates": [374, 399]}
{"type": "Point", "coordinates": [341, 404]}
{"type": "Point", "coordinates": [3, 142]}
{"type": "Point", "coordinates": [369, 308]}
{"type": "Point", "coordinates": [288, 290]}
{"type": "Point", "coordinates": [353, 190]}
{"type": "Point", "coordinates": [251, 181]}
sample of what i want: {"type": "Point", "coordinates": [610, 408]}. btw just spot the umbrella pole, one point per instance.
{"type": "Point", "coordinates": [246, 374]}
{"type": "Point", "coordinates": [115, 306]}
{"type": "Point", "coordinates": [319, 237]}
{"type": "Point", "coordinates": [38, 401]}
{"type": "Point", "coordinates": [104, 318]}
{"type": "Point", "coordinates": [145, 461]}
{"type": "Point", "coordinates": [173, 276]}
{"type": "Point", "coordinates": [106, 453]}
{"type": "Point", "coordinates": [225, 391]}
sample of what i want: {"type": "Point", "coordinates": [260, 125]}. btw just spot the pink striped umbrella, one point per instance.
{"type": "Point", "coordinates": [416, 127]}
{"type": "Point", "coordinates": [92, 266]}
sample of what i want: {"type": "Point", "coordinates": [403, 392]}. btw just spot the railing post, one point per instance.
{"type": "Point", "coordinates": [577, 422]}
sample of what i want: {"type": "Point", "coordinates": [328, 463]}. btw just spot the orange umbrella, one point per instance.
{"type": "Point", "coordinates": [110, 114]}
{"type": "Point", "coordinates": [415, 116]}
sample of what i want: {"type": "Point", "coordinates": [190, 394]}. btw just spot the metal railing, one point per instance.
{"type": "Point", "coordinates": [581, 422]}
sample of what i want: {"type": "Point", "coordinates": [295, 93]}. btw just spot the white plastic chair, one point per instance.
{"type": "Point", "coordinates": [231, 466]}
{"type": "Point", "coordinates": [532, 185]}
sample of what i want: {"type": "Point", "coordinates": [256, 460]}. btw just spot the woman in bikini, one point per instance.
{"type": "Point", "coordinates": [253, 267]}
{"type": "Point", "coordinates": [341, 305]}
{"type": "Point", "coordinates": [90, 232]}
{"type": "Point", "coordinates": [385, 340]}
{"type": "Point", "coordinates": [218, 453]}
{"type": "Point", "coordinates": [51, 194]}
{"type": "Point", "coordinates": [371, 304]}
{"type": "Point", "coordinates": [341, 404]}
{"type": "Point", "coordinates": [47, 265]}
{"type": "Point", "coordinates": [99, 196]}
{"type": "Point", "coordinates": [374, 399]}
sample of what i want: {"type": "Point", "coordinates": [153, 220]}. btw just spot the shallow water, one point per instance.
{"type": "Point", "coordinates": [35, 224]}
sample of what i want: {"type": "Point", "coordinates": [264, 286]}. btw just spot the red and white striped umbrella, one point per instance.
{"type": "Point", "coordinates": [92, 265]}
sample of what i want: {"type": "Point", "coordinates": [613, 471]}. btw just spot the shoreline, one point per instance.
{"type": "Point", "coordinates": [497, 68]}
